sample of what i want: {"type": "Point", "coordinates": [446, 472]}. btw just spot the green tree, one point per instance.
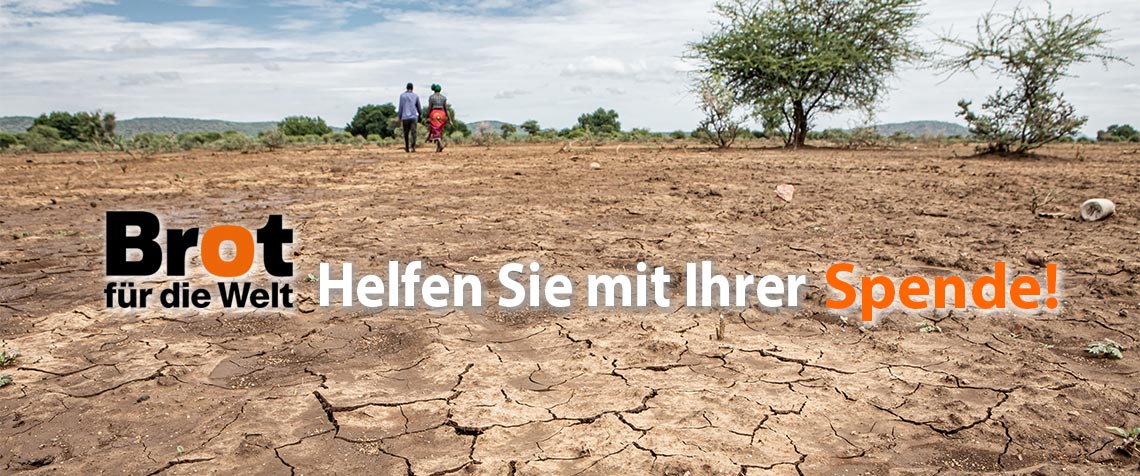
{"type": "Point", "coordinates": [91, 127]}
{"type": "Point", "coordinates": [600, 122]}
{"type": "Point", "coordinates": [1035, 52]}
{"type": "Point", "coordinates": [1118, 133]}
{"type": "Point", "coordinates": [373, 120]}
{"type": "Point", "coordinates": [65, 124]}
{"type": "Point", "coordinates": [508, 130]}
{"type": "Point", "coordinates": [303, 126]}
{"type": "Point", "coordinates": [804, 57]}
{"type": "Point", "coordinates": [531, 127]}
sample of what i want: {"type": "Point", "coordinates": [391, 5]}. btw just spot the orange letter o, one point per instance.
{"type": "Point", "coordinates": [212, 247]}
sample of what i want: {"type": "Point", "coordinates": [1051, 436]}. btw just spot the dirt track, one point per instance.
{"type": "Point", "coordinates": [399, 392]}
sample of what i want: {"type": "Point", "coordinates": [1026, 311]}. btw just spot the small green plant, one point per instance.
{"type": "Point", "coordinates": [1108, 349]}
{"type": "Point", "coordinates": [310, 278]}
{"type": "Point", "coordinates": [7, 357]}
{"type": "Point", "coordinates": [1131, 444]}
{"type": "Point", "coordinates": [20, 234]}
{"type": "Point", "coordinates": [5, 380]}
{"type": "Point", "coordinates": [927, 327]}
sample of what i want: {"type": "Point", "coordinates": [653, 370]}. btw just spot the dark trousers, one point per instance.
{"type": "Point", "coordinates": [410, 128]}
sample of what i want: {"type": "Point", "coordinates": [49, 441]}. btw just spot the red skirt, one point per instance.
{"type": "Point", "coordinates": [437, 119]}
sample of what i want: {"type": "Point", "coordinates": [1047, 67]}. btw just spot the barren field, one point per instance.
{"type": "Point", "coordinates": [352, 391]}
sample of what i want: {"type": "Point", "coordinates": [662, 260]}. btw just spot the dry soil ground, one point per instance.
{"type": "Point", "coordinates": [352, 391]}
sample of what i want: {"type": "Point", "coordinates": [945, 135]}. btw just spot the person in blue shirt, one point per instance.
{"type": "Point", "coordinates": [409, 113]}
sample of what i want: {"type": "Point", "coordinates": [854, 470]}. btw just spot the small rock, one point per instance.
{"type": "Point", "coordinates": [142, 399]}
{"type": "Point", "coordinates": [1034, 259]}
{"type": "Point", "coordinates": [595, 166]}
{"type": "Point", "coordinates": [786, 192]}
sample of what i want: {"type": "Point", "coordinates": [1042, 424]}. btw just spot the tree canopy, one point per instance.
{"type": "Point", "coordinates": [600, 122]}
{"type": "Point", "coordinates": [373, 120]}
{"type": "Point", "coordinates": [93, 127]}
{"type": "Point", "coordinates": [804, 57]}
{"type": "Point", "coordinates": [531, 127]}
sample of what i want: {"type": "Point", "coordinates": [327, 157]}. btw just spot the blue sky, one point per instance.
{"type": "Point", "coordinates": [507, 60]}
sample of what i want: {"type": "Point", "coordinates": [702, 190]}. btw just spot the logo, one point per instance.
{"type": "Point", "coordinates": [137, 248]}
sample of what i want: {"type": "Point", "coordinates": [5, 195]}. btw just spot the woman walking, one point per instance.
{"type": "Point", "coordinates": [437, 117]}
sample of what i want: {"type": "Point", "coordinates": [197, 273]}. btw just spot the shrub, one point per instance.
{"type": "Point", "coordinates": [303, 125]}
{"type": "Point", "coordinates": [236, 141]}
{"type": "Point", "coordinates": [8, 140]}
{"type": "Point", "coordinates": [722, 121]}
{"type": "Point", "coordinates": [42, 139]}
{"type": "Point", "coordinates": [155, 143]}
{"type": "Point", "coordinates": [641, 135]}
{"type": "Point", "coordinates": [273, 139]}
{"type": "Point", "coordinates": [1119, 133]}
{"type": "Point", "coordinates": [838, 136]}
{"type": "Point", "coordinates": [486, 138]}
{"type": "Point", "coordinates": [197, 140]}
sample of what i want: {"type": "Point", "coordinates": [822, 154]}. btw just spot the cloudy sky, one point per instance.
{"type": "Point", "coordinates": [508, 60]}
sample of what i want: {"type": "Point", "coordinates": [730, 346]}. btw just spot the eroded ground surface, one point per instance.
{"type": "Point", "coordinates": [354, 391]}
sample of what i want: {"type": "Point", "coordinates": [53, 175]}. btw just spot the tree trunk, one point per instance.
{"type": "Point", "coordinates": [799, 124]}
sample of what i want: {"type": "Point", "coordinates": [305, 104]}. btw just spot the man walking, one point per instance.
{"type": "Point", "coordinates": [409, 113]}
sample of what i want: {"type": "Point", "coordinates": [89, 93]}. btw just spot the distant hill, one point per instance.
{"type": "Point", "coordinates": [159, 125]}
{"type": "Point", "coordinates": [14, 124]}
{"type": "Point", "coordinates": [176, 125]}
{"type": "Point", "coordinates": [924, 128]}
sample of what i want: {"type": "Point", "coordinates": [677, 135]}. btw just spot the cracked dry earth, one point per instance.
{"type": "Point", "coordinates": [354, 391]}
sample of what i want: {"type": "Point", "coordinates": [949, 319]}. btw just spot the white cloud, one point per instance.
{"type": "Point", "coordinates": [48, 6]}
{"type": "Point", "coordinates": [514, 93]}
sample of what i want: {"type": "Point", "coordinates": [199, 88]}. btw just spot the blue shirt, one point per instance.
{"type": "Point", "coordinates": [409, 106]}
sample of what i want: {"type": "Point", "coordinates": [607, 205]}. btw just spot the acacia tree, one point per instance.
{"type": "Point", "coordinates": [1036, 52]}
{"type": "Point", "coordinates": [508, 130]}
{"type": "Point", "coordinates": [804, 57]}
{"type": "Point", "coordinates": [531, 127]}
{"type": "Point", "coordinates": [722, 122]}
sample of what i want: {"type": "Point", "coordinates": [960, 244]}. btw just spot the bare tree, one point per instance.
{"type": "Point", "coordinates": [722, 122]}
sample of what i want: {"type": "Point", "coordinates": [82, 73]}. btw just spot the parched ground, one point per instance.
{"type": "Point", "coordinates": [355, 391]}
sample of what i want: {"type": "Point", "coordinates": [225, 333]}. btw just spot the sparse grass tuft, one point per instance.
{"type": "Point", "coordinates": [7, 357]}
{"type": "Point", "coordinates": [1108, 349]}
{"type": "Point", "coordinates": [927, 327]}
{"type": "Point", "coordinates": [1131, 444]}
